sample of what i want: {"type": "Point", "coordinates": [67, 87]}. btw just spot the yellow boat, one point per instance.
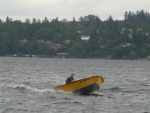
{"type": "Point", "coordinates": [84, 86]}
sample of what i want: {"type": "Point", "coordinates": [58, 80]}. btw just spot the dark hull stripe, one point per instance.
{"type": "Point", "coordinates": [87, 90]}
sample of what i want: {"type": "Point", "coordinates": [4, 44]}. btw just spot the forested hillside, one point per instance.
{"type": "Point", "coordinates": [89, 37]}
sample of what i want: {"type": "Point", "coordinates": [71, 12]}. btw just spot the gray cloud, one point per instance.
{"type": "Point", "coordinates": [23, 9]}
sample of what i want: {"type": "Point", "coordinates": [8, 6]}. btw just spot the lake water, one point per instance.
{"type": "Point", "coordinates": [26, 85]}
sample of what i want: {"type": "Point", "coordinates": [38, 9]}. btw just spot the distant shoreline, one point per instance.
{"type": "Point", "coordinates": [42, 56]}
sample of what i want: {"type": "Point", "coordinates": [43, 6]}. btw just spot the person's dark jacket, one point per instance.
{"type": "Point", "coordinates": [70, 79]}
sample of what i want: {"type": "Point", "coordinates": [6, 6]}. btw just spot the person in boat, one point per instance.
{"type": "Point", "coordinates": [70, 79]}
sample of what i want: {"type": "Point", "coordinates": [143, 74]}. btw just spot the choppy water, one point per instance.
{"type": "Point", "coordinates": [26, 86]}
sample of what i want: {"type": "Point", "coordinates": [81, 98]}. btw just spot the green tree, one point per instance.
{"type": "Point", "coordinates": [133, 55]}
{"type": "Point", "coordinates": [77, 49]}
{"type": "Point", "coordinates": [118, 53]}
{"type": "Point", "coordinates": [4, 43]}
{"type": "Point", "coordinates": [44, 33]}
{"type": "Point", "coordinates": [94, 42]}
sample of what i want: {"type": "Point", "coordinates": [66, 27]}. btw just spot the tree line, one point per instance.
{"type": "Point", "coordinates": [119, 39]}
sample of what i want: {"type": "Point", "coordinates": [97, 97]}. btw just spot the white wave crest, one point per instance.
{"type": "Point", "coordinates": [27, 87]}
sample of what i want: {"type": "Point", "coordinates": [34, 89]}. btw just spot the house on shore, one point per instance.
{"type": "Point", "coordinates": [62, 55]}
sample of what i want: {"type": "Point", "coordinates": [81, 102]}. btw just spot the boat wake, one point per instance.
{"type": "Point", "coordinates": [95, 94]}
{"type": "Point", "coordinates": [29, 88]}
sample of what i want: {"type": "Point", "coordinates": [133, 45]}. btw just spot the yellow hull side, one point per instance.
{"type": "Point", "coordinates": [80, 83]}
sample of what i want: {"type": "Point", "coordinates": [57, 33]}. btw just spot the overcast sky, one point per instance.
{"type": "Point", "coordinates": [23, 9]}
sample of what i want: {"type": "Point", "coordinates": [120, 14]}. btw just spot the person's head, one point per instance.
{"type": "Point", "coordinates": [72, 75]}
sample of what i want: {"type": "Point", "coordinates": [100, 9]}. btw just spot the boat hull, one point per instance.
{"type": "Point", "coordinates": [87, 90]}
